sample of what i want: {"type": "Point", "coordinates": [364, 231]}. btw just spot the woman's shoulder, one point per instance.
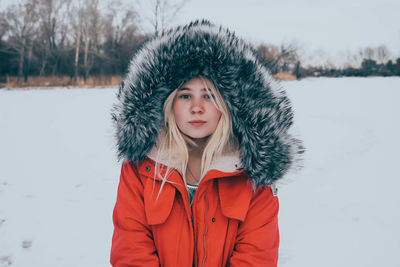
{"type": "Point", "coordinates": [134, 171]}
{"type": "Point", "coordinates": [143, 169]}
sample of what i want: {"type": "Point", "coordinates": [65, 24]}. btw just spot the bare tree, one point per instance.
{"type": "Point", "coordinates": [382, 53]}
{"type": "Point", "coordinates": [268, 52]}
{"type": "Point", "coordinates": [360, 55]}
{"type": "Point", "coordinates": [163, 12]}
{"type": "Point", "coordinates": [53, 26]}
{"type": "Point", "coordinates": [90, 31]}
{"type": "Point", "coordinates": [21, 26]}
{"type": "Point", "coordinates": [86, 23]}
{"type": "Point", "coordinates": [119, 21]}
{"type": "Point", "coordinates": [121, 35]}
{"type": "Point", "coordinates": [3, 25]}
{"type": "Point", "coordinates": [284, 58]}
{"type": "Point", "coordinates": [369, 53]}
{"type": "Point", "coordinates": [75, 16]}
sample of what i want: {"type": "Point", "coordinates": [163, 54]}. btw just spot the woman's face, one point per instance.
{"type": "Point", "coordinates": [195, 114]}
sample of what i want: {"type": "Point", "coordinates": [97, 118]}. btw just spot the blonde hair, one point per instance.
{"type": "Point", "coordinates": [174, 144]}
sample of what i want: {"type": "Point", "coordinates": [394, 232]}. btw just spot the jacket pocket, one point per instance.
{"type": "Point", "coordinates": [158, 209]}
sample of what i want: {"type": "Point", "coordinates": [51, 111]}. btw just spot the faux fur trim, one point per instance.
{"type": "Point", "coordinates": [261, 112]}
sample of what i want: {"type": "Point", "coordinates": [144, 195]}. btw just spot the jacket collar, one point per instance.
{"type": "Point", "coordinates": [228, 162]}
{"type": "Point", "coordinates": [223, 166]}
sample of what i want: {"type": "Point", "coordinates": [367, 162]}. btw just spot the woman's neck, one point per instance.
{"type": "Point", "coordinates": [193, 171]}
{"type": "Point", "coordinates": [197, 151]}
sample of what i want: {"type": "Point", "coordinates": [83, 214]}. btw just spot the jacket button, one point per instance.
{"type": "Point", "coordinates": [147, 168]}
{"type": "Point", "coordinates": [213, 219]}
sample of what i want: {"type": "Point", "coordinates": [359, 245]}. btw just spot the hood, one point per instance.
{"type": "Point", "coordinates": [261, 112]}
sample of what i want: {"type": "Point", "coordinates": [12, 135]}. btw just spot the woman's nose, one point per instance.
{"type": "Point", "coordinates": [197, 106]}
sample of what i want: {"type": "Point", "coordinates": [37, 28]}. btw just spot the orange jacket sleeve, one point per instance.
{"type": "Point", "coordinates": [257, 240]}
{"type": "Point", "coordinates": [132, 241]}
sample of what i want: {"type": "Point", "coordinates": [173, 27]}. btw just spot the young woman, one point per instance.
{"type": "Point", "coordinates": [202, 128]}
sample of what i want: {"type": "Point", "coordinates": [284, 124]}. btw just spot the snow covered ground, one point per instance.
{"type": "Point", "coordinates": [59, 175]}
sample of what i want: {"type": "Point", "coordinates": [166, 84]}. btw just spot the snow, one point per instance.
{"type": "Point", "coordinates": [59, 175]}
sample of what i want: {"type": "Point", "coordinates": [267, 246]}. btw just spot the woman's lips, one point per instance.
{"type": "Point", "coordinates": [197, 123]}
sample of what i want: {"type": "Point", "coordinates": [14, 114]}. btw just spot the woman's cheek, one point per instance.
{"type": "Point", "coordinates": [179, 111]}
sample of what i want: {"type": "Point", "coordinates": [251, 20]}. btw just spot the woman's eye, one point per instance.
{"type": "Point", "coordinates": [209, 97]}
{"type": "Point", "coordinates": [184, 96]}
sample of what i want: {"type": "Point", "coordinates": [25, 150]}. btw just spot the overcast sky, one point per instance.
{"type": "Point", "coordinates": [319, 27]}
{"type": "Point", "coordinates": [316, 25]}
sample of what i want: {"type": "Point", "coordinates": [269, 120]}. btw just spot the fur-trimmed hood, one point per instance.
{"type": "Point", "coordinates": [261, 112]}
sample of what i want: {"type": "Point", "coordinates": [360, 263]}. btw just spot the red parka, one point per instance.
{"type": "Point", "coordinates": [229, 224]}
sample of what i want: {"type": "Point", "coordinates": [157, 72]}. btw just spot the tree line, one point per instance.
{"type": "Point", "coordinates": [79, 38]}
{"type": "Point", "coordinates": [66, 37]}
{"type": "Point", "coordinates": [369, 61]}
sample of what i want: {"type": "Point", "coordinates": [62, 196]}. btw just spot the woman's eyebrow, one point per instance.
{"type": "Point", "coordinates": [185, 88]}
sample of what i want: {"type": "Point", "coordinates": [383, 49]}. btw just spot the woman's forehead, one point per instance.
{"type": "Point", "coordinates": [196, 84]}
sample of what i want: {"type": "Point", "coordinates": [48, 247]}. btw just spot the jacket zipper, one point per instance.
{"type": "Point", "coordinates": [205, 232]}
